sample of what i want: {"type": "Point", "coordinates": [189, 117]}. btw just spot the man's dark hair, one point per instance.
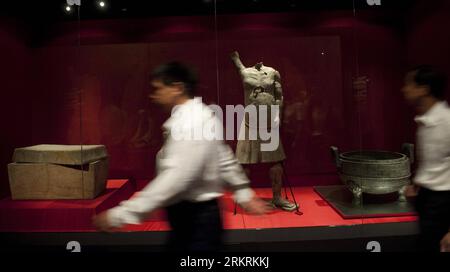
{"type": "Point", "coordinates": [436, 81]}
{"type": "Point", "coordinates": [174, 71]}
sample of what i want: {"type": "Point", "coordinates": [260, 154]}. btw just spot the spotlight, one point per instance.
{"type": "Point", "coordinates": [68, 8]}
{"type": "Point", "coordinates": [102, 4]}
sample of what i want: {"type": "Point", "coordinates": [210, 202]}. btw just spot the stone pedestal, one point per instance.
{"type": "Point", "coordinates": [58, 172]}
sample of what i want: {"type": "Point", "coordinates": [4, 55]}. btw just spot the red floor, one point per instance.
{"type": "Point", "coordinates": [60, 215]}
{"type": "Point", "coordinates": [74, 216]}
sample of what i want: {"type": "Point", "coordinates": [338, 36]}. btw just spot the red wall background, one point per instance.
{"type": "Point", "coordinates": [93, 90]}
{"type": "Point", "coordinates": [15, 112]}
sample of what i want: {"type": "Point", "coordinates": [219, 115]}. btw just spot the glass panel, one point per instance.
{"type": "Point", "coordinates": [79, 76]}
{"type": "Point", "coordinates": [392, 37]}
{"type": "Point", "coordinates": [312, 47]}
{"type": "Point", "coordinates": [39, 48]}
{"type": "Point", "coordinates": [121, 44]}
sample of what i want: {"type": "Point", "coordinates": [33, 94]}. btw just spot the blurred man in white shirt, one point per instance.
{"type": "Point", "coordinates": [191, 172]}
{"type": "Point", "coordinates": [424, 90]}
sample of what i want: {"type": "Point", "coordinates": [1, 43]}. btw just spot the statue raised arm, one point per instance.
{"type": "Point", "coordinates": [237, 61]}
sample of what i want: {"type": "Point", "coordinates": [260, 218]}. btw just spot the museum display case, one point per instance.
{"type": "Point", "coordinates": [81, 133]}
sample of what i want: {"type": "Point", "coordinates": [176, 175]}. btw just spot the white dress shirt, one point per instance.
{"type": "Point", "coordinates": [192, 169]}
{"type": "Point", "coordinates": [433, 148]}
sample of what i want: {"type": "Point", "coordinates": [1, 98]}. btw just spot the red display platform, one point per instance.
{"type": "Point", "coordinates": [75, 216]}
{"type": "Point", "coordinates": [60, 215]}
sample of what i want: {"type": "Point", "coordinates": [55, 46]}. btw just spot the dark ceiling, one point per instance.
{"type": "Point", "coordinates": [54, 10]}
{"type": "Point", "coordinates": [35, 18]}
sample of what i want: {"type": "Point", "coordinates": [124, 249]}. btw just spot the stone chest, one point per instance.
{"type": "Point", "coordinates": [58, 172]}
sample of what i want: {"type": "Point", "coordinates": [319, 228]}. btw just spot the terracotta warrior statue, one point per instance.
{"type": "Point", "coordinates": [262, 86]}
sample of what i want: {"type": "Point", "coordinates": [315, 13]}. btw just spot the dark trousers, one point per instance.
{"type": "Point", "coordinates": [433, 208]}
{"type": "Point", "coordinates": [195, 226]}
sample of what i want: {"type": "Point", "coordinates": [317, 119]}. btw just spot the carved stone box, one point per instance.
{"type": "Point", "coordinates": [58, 172]}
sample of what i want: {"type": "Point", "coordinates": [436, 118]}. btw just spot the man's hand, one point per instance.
{"type": "Point", "coordinates": [102, 223]}
{"type": "Point", "coordinates": [445, 243]}
{"type": "Point", "coordinates": [256, 206]}
{"type": "Point", "coordinates": [411, 190]}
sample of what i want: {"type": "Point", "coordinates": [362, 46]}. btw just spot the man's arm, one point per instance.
{"type": "Point", "coordinates": [446, 136]}
{"type": "Point", "coordinates": [181, 166]}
